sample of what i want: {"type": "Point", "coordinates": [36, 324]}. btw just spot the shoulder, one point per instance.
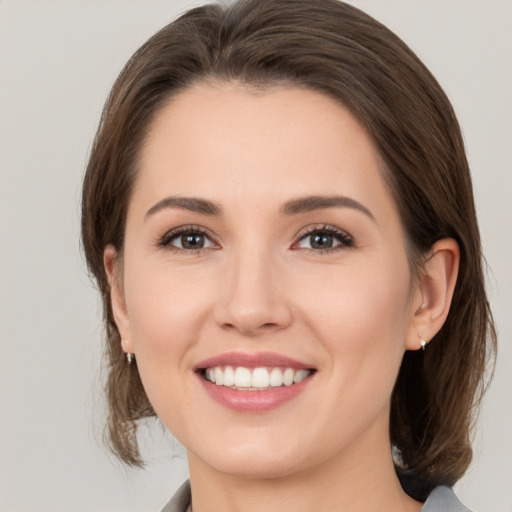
{"type": "Point", "coordinates": [443, 499]}
{"type": "Point", "coordinates": [180, 501]}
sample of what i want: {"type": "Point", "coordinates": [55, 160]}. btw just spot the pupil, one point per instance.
{"type": "Point", "coordinates": [321, 241]}
{"type": "Point", "coordinates": [192, 241]}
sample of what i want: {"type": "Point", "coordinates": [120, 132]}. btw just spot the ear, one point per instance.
{"type": "Point", "coordinates": [435, 292]}
{"type": "Point", "coordinates": [112, 264]}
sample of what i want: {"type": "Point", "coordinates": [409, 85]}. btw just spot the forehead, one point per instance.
{"type": "Point", "coordinates": [227, 141]}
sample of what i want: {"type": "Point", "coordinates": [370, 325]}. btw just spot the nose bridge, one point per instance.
{"type": "Point", "coordinates": [254, 300]}
{"type": "Point", "coordinates": [251, 279]}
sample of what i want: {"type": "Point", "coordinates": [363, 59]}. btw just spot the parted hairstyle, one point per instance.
{"type": "Point", "coordinates": [333, 48]}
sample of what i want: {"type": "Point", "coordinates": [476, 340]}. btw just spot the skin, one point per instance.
{"type": "Point", "coordinates": [258, 286]}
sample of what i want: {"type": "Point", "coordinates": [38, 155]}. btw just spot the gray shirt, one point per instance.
{"type": "Point", "coordinates": [441, 499]}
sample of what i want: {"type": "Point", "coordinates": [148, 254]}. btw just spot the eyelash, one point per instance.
{"type": "Point", "coordinates": [344, 239]}
{"type": "Point", "coordinates": [170, 236]}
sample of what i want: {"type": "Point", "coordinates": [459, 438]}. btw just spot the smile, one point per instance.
{"type": "Point", "coordinates": [254, 379]}
{"type": "Point", "coordinates": [254, 383]}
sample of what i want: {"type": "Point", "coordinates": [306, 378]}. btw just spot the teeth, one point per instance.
{"type": "Point", "coordinates": [300, 375]}
{"type": "Point", "coordinates": [276, 377]}
{"type": "Point", "coordinates": [260, 378]}
{"type": "Point", "coordinates": [242, 377]}
{"type": "Point", "coordinates": [288, 377]}
{"type": "Point", "coordinates": [256, 378]}
{"type": "Point", "coordinates": [229, 376]}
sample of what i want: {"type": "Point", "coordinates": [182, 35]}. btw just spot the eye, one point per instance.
{"type": "Point", "coordinates": [191, 241]}
{"type": "Point", "coordinates": [186, 238]}
{"type": "Point", "coordinates": [323, 239]}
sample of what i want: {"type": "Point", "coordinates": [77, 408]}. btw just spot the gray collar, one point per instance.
{"type": "Point", "coordinates": [441, 499]}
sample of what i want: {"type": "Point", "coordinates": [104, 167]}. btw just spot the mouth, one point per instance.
{"type": "Point", "coordinates": [254, 379]}
{"type": "Point", "coordinates": [253, 382]}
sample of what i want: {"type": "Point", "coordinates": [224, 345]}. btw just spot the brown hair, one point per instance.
{"type": "Point", "coordinates": [334, 48]}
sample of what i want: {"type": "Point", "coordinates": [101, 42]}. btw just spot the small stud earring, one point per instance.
{"type": "Point", "coordinates": [129, 357]}
{"type": "Point", "coordinates": [423, 343]}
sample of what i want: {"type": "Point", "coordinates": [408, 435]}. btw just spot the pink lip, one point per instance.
{"type": "Point", "coordinates": [258, 360]}
{"type": "Point", "coordinates": [253, 401]}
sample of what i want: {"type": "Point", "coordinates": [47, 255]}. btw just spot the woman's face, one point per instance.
{"type": "Point", "coordinates": [262, 245]}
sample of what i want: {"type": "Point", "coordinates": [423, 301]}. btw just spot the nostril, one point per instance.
{"type": "Point", "coordinates": [251, 329]}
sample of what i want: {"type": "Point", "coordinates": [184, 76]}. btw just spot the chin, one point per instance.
{"type": "Point", "coordinates": [260, 466]}
{"type": "Point", "coordinates": [278, 456]}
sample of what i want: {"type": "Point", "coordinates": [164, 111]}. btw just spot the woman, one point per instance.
{"type": "Point", "coordinates": [279, 215]}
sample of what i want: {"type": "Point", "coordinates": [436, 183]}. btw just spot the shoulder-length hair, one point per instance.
{"type": "Point", "coordinates": [334, 48]}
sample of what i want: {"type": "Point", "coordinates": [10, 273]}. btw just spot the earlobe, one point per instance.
{"type": "Point", "coordinates": [436, 287]}
{"type": "Point", "coordinates": [112, 268]}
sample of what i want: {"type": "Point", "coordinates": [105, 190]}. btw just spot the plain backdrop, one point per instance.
{"type": "Point", "coordinates": [58, 60]}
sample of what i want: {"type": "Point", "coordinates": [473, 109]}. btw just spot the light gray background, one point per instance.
{"type": "Point", "coordinates": [58, 60]}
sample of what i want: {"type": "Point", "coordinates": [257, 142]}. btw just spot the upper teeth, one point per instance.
{"type": "Point", "coordinates": [257, 378]}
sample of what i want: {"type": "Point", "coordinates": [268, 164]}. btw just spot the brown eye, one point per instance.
{"type": "Point", "coordinates": [321, 241]}
{"type": "Point", "coordinates": [324, 239]}
{"type": "Point", "coordinates": [187, 239]}
{"type": "Point", "coordinates": [192, 241]}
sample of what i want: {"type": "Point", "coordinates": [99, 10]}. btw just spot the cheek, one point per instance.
{"type": "Point", "coordinates": [165, 308]}
{"type": "Point", "coordinates": [361, 314]}
{"type": "Point", "coordinates": [166, 311]}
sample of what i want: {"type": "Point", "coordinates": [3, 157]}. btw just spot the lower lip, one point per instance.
{"type": "Point", "coordinates": [254, 401]}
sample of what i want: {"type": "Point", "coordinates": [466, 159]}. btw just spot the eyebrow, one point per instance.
{"type": "Point", "coordinates": [185, 203]}
{"type": "Point", "coordinates": [293, 207]}
{"type": "Point", "coordinates": [311, 203]}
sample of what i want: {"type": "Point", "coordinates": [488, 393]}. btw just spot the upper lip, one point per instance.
{"type": "Point", "coordinates": [252, 360]}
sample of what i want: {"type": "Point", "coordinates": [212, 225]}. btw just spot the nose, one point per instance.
{"type": "Point", "coordinates": [254, 300]}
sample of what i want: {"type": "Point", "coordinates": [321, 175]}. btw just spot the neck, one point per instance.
{"type": "Point", "coordinates": [362, 478]}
